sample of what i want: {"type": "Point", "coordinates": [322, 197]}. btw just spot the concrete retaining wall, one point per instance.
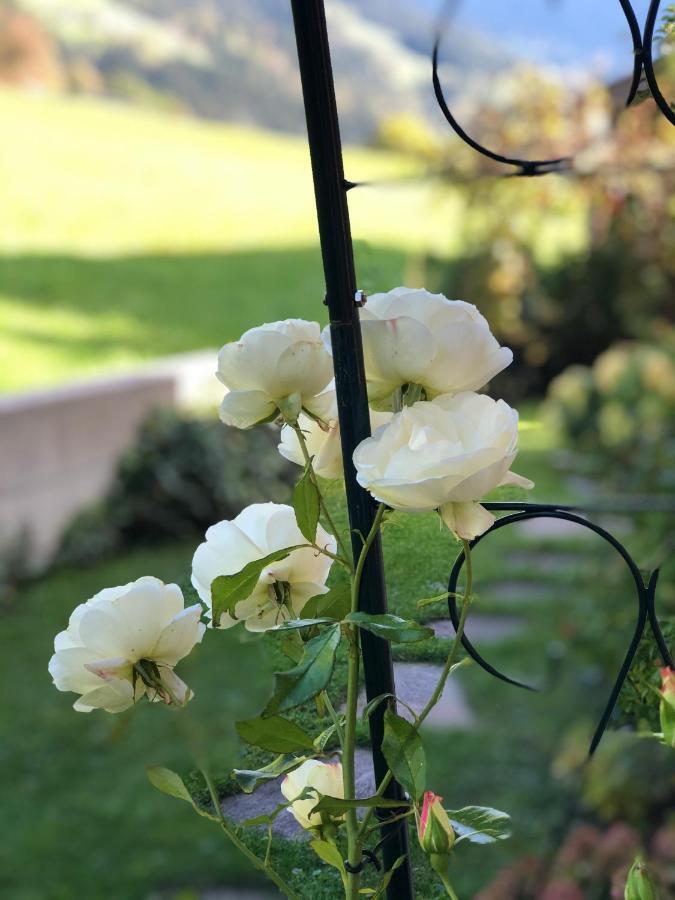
{"type": "Point", "coordinates": [59, 448]}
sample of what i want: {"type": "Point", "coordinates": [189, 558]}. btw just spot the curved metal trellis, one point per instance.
{"type": "Point", "coordinates": [331, 189]}
{"type": "Point", "coordinates": [646, 610]}
{"type": "Point", "coordinates": [642, 61]}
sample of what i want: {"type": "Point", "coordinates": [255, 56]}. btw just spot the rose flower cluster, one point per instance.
{"type": "Point", "coordinates": [436, 445]}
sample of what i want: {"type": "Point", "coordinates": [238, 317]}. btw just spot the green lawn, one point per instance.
{"type": "Point", "coordinates": [128, 234]}
{"type": "Point", "coordinates": [80, 820]}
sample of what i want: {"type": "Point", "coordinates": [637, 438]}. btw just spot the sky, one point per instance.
{"type": "Point", "coordinates": [591, 35]}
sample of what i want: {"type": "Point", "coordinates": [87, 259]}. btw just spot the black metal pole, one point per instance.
{"type": "Point", "coordinates": [330, 190]}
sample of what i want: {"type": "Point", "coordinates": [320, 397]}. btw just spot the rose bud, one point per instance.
{"type": "Point", "coordinates": [435, 833]}
{"type": "Point", "coordinates": [667, 707]}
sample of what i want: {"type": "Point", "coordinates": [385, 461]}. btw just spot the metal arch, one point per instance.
{"type": "Point", "coordinates": [520, 512]}
{"type": "Point", "coordinates": [648, 62]}
{"type": "Point", "coordinates": [642, 58]}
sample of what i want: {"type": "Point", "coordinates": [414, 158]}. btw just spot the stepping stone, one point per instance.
{"type": "Point", "coordinates": [558, 529]}
{"type": "Point", "coordinates": [544, 562]}
{"type": "Point", "coordinates": [481, 629]}
{"type": "Point", "coordinates": [513, 591]}
{"type": "Point", "coordinates": [415, 683]}
{"type": "Point", "coordinates": [267, 797]}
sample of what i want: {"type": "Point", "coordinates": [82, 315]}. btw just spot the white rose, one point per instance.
{"type": "Point", "coordinates": [123, 643]}
{"type": "Point", "coordinates": [411, 336]}
{"type": "Point", "coordinates": [326, 781]}
{"type": "Point", "coordinates": [284, 587]}
{"type": "Point", "coordinates": [322, 440]}
{"type": "Point", "coordinates": [444, 454]}
{"type": "Point", "coordinates": [278, 367]}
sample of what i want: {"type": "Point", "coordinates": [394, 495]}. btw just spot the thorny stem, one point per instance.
{"type": "Point", "coordinates": [322, 502]}
{"type": "Point", "coordinates": [334, 556]}
{"type": "Point", "coordinates": [260, 864]}
{"type": "Point", "coordinates": [334, 717]}
{"type": "Point", "coordinates": [449, 663]}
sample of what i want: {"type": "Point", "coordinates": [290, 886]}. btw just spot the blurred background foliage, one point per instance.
{"type": "Point", "coordinates": [149, 209]}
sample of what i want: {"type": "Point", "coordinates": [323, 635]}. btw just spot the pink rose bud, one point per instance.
{"type": "Point", "coordinates": [435, 833]}
{"type": "Point", "coordinates": [668, 685]}
{"type": "Point", "coordinates": [667, 707]}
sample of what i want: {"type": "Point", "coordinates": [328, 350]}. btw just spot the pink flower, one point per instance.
{"type": "Point", "coordinates": [435, 833]}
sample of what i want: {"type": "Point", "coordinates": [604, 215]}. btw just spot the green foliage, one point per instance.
{"type": "Point", "coordinates": [404, 753]}
{"type": "Point", "coordinates": [249, 779]}
{"type": "Point", "coordinates": [390, 627]}
{"type": "Point", "coordinates": [274, 733]}
{"type": "Point", "coordinates": [480, 824]}
{"type": "Point", "coordinates": [306, 504]}
{"type": "Point", "coordinates": [228, 590]}
{"type": "Point", "coordinates": [334, 604]}
{"type": "Point", "coordinates": [170, 783]}
{"type": "Point", "coordinates": [639, 700]}
{"type": "Point", "coordinates": [622, 409]}
{"type": "Point", "coordinates": [311, 675]}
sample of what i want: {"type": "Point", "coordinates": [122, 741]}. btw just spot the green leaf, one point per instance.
{"type": "Point", "coordinates": [309, 677]}
{"type": "Point", "coordinates": [306, 505]}
{"type": "Point", "coordinates": [389, 875]}
{"type": "Point", "coordinates": [480, 824]}
{"type": "Point", "coordinates": [321, 741]}
{"type": "Point", "coordinates": [295, 624]}
{"type": "Point", "coordinates": [372, 705]}
{"type": "Point", "coordinates": [275, 734]}
{"type": "Point", "coordinates": [265, 818]}
{"type": "Point", "coordinates": [249, 779]}
{"type": "Point", "coordinates": [335, 604]}
{"type": "Point", "coordinates": [228, 590]}
{"type": "Point", "coordinates": [404, 753]}
{"type": "Point", "coordinates": [391, 628]}
{"type": "Point", "coordinates": [330, 854]}
{"type": "Point", "coordinates": [171, 783]}
{"type": "Point", "coordinates": [336, 805]}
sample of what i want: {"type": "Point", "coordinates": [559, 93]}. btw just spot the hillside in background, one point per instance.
{"type": "Point", "coordinates": [233, 59]}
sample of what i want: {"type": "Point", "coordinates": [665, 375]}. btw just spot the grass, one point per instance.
{"type": "Point", "coordinates": [141, 234]}
{"type": "Point", "coordinates": [75, 795]}
{"type": "Point", "coordinates": [128, 234]}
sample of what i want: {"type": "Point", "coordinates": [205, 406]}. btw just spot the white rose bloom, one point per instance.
{"type": "Point", "coordinates": [325, 778]}
{"type": "Point", "coordinates": [284, 587]}
{"type": "Point", "coordinates": [322, 439]}
{"type": "Point", "coordinates": [411, 336]}
{"type": "Point", "coordinates": [281, 366]}
{"type": "Point", "coordinates": [444, 454]}
{"type": "Point", "coordinates": [123, 643]}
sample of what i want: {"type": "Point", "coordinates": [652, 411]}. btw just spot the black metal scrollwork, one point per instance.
{"type": "Point", "coordinates": [642, 61]}
{"type": "Point", "coordinates": [645, 592]}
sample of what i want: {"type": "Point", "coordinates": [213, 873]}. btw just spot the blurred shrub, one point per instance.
{"type": "Point", "coordinates": [622, 411]}
{"type": "Point", "coordinates": [14, 568]}
{"type": "Point", "coordinates": [639, 699]}
{"type": "Point", "coordinates": [591, 864]}
{"type": "Point", "coordinates": [183, 475]}
{"type": "Point", "coordinates": [565, 265]}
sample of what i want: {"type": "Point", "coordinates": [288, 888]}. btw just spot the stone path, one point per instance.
{"type": "Point", "coordinates": [268, 796]}
{"type": "Point", "coordinates": [544, 528]}
{"type": "Point", "coordinates": [514, 590]}
{"type": "Point", "coordinates": [415, 682]}
{"type": "Point", "coordinates": [484, 629]}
